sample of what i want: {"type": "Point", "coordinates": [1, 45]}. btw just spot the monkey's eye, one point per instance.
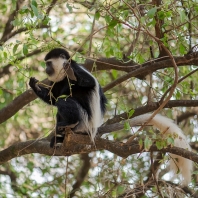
{"type": "Point", "coordinates": [62, 56]}
{"type": "Point", "coordinates": [48, 63]}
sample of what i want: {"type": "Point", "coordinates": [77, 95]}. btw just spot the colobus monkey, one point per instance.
{"type": "Point", "coordinates": [167, 127]}
{"type": "Point", "coordinates": [81, 106]}
{"type": "Point", "coordinates": [76, 94]}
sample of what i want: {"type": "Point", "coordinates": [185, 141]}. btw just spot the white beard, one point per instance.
{"type": "Point", "coordinates": [59, 72]}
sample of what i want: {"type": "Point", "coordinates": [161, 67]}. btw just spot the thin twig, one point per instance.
{"type": "Point", "coordinates": [66, 174]}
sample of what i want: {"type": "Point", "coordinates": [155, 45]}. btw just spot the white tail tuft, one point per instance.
{"type": "Point", "coordinates": [167, 126]}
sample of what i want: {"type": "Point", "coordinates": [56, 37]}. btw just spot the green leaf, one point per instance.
{"type": "Point", "coordinates": [127, 126]}
{"type": "Point", "coordinates": [169, 14]}
{"type": "Point", "coordinates": [120, 189]}
{"type": "Point", "coordinates": [113, 23]}
{"type": "Point", "coordinates": [69, 7]}
{"type": "Point", "coordinates": [196, 8]}
{"type": "Point", "coordinates": [151, 13]}
{"type": "Point", "coordinates": [5, 54]}
{"type": "Point", "coordinates": [178, 94]}
{"type": "Point", "coordinates": [159, 145]}
{"type": "Point", "coordinates": [170, 141]}
{"type": "Point", "coordinates": [142, 20]}
{"type": "Point", "coordinates": [114, 73]}
{"type": "Point", "coordinates": [125, 13]}
{"type": "Point", "coordinates": [46, 20]}
{"type": "Point", "coordinates": [24, 10]}
{"type": "Point", "coordinates": [147, 143]}
{"type": "Point", "coordinates": [131, 112]}
{"type": "Point", "coordinates": [34, 3]}
{"type": "Point", "coordinates": [14, 2]}
{"type": "Point", "coordinates": [63, 96]}
{"type": "Point", "coordinates": [107, 18]}
{"type": "Point", "coordinates": [97, 16]}
{"type": "Point", "coordinates": [30, 165]}
{"type": "Point", "coordinates": [195, 172]}
{"type": "Point", "coordinates": [182, 48]}
{"type": "Point", "coordinates": [151, 23]}
{"type": "Point", "coordinates": [43, 64]}
{"type": "Point", "coordinates": [161, 15]}
{"type": "Point", "coordinates": [15, 48]}
{"type": "Point", "coordinates": [35, 10]}
{"type": "Point", "coordinates": [140, 143]}
{"type": "Point", "coordinates": [16, 22]}
{"type": "Point", "coordinates": [25, 49]}
{"type": "Point", "coordinates": [140, 58]}
{"type": "Point", "coordinates": [182, 16]}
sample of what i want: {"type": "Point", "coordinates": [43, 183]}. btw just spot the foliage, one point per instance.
{"type": "Point", "coordinates": [136, 33]}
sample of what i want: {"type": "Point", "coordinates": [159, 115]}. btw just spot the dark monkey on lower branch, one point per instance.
{"type": "Point", "coordinates": [76, 94]}
{"type": "Point", "coordinates": [81, 106]}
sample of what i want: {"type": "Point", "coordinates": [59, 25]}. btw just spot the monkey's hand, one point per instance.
{"type": "Point", "coordinates": [33, 84]}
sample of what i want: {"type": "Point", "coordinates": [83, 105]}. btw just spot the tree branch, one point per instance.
{"type": "Point", "coordinates": [139, 191]}
{"type": "Point", "coordinates": [144, 69]}
{"type": "Point", "coordinates": [78, 144]}
{"type": "Point", "coordinates": [18, 103]}
{"type": "Point", "coordinates": [151, 107]}
{"type": "Point", "coordinates": [6, 69]}
{"type": "Point", "coordinates": [18, 31]}
{"type": "Point", "coordinates": [158, 27]}
{"type": "Point", "coordinates": [8, 33]}
{"type": "Point", "coordinates": [81, 174]}
{"type": "Point", "coordinates": [149, 66]}
{"type": "Point", "coordinates": [9, 27]}
{"type": "Point", "coordinates": [13, 178]}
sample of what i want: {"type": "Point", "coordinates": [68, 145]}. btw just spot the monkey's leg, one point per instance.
{"type": "Point", "coordinates": [68, 115]}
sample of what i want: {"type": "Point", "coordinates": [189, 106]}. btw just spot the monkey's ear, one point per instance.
{"type": "Point", "coordinates": [63, 56]}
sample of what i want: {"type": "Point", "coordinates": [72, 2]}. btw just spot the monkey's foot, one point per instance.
{"type": "Point", "coordinates": [57, 141]}
{"type": "Point", "coordinates": [63, 129]}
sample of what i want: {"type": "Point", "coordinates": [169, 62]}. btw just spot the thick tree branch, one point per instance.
{"type": "Point", "coordinates": [149, 67]}
{"type": "Point", "coordinates": [145, 68]}
{"type": "Point", "coordinates": [153, 106]}
{"type": "Point", "coordinates": [77, 144]}
{"type": "Point", "coordinates": [18, 103]}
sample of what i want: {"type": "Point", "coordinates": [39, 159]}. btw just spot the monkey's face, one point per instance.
{"type": "Point", "coordinates": [55, 69]}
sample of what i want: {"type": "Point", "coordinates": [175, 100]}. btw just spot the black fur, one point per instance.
{"type": "Point", "coordinates": [72, 109]}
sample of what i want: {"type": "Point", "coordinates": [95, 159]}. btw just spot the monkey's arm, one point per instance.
{"type": "Point", "coordinates": [84, 78]}
{"type": "Point", "coordinates": [41, 92]}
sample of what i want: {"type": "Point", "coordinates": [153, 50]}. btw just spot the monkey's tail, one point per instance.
{"type": "Point", "coordinates": [167, 126]}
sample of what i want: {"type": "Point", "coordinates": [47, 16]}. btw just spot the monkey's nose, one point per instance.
{"type": "Point", "coordinates": [49, 68]}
